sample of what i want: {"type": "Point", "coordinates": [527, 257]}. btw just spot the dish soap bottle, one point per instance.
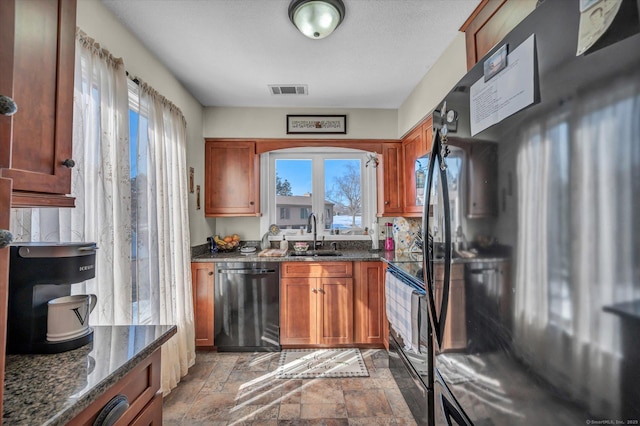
{"type": "Point", "coordinates": [284, 244]}
{"type": "Point", "coordinates": [388, 242]}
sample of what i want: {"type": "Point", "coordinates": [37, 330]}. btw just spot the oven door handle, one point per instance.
{"type": "Point", "coordinates": [247, 271]}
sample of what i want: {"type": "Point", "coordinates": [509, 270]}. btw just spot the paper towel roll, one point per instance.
{"type": "Point", "coordinates": [375, 242]}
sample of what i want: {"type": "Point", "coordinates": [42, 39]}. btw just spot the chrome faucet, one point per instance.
{"type": "Point", "coordinates": [315, 228]}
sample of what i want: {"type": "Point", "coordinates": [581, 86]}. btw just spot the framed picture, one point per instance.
{"type": "Point", "coordinates": [496, 63]}
{"type": "Point", "coordinates": [326, 124]}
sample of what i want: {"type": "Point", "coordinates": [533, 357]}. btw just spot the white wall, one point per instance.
{"type": "Point", "coordinates": [100, 24]}
{"type": "Point", "coordinates": [439, 80]}
{"type": "Point", "coordinates": [271, 123]}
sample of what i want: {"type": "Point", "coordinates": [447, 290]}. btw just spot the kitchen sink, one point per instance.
{"type": "Point", "coordinates": [315, 253]}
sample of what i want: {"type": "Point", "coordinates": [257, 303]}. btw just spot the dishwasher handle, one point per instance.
{"type": "Point", "coordinates": [247, 271]}
{"type": "Point", "coordinates": [482, 271]}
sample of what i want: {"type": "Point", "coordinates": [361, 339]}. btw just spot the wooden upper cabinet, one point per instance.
{"type": "Point", "coordinates": [490, 22]}
{"type": "Point", "coordinates": [390, 185]}
{"type": "Point", "coordinates": [231, 178]}
{"type": "Point", "coordinates": [5, 213]}
{"type": "Point", "coordinates": [202, 281]}
{"type": "Point", "coordinates": [37, 57]}
{"type": "Point", "coordinates": [415, 144]}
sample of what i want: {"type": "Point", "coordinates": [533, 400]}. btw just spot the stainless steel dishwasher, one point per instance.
{"type": "Point", "coordinates": [247, 306]}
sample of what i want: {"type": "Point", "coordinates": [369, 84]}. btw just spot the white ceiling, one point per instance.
{"type": "Point", "coordinates": [227, 52]}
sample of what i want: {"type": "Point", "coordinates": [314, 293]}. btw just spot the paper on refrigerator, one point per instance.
{"type": "Point", "coordinates": [508, 92]}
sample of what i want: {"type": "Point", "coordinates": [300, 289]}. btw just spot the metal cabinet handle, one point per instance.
{"type": "Point", "coordinates": [112, 411]}
{"type": "Point", "coordinates": [69, 163]}
{"type": "Point", "coordinates": [7, 106]}
{"type": "Point", "coordinates": [210, 273]}
{"type": "Point", "coordinates": [6, 238]}
{"type": "Point", "coordinates": [313, 290]}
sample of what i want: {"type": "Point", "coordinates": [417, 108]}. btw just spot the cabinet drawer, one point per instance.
{"type": "Point", "coordinates": [139, 385]}
{"type": "Point", "coordinates": [319, 270]}
{"type": "Point", "coordinates": [457, 272]}
{"type": "Point", "coordinates": [151, 415]}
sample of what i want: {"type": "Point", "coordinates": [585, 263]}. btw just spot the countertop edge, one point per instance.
{"type": "Point", "coordinates": [348, 256]}
{"type": "Point", "coordinates": [67, 414]}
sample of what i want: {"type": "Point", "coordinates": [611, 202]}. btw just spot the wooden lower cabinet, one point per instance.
{"type": "Point", "coordinates": [455, 330]}
{"type": "Point", "coordinates": [152, 413]}
{"type": "Point", "coordinates": [202, 281]}
{"type": "Point", "coordinates": [141, 386]}
{"type": "Point", "coordinates": [298, 311]}
{"type": "Point", "coordinates": [369, 307]}
{"type": "Point", "coordinates": [316, 308]}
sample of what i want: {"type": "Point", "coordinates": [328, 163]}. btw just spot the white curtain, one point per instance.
{"type": "Point", "coordinates": [150, 284]}
{"type": "Point", "coordinates": [163, 271]}
{"type": "Point", "coordinates": [578, 194]}
{"type": "Point", "coordinates": [100, 183]}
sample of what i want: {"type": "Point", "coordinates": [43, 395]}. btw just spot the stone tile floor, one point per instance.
{"type": "Point", "coordinates": [241, 389]}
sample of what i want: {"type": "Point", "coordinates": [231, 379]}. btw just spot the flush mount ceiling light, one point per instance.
{"type": "Point", "coordinates": [316, 18]}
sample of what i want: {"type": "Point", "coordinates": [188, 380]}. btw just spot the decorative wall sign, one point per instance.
{"type": "Point", "coordinates": [191, 173]}
{"type": "Point", "coordinates": [197, 197]}
{"type": "Point", "coordinates": [327, 124]}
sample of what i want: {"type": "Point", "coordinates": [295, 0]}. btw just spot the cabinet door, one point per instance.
{"type": "Point", "coordinates": [390, 180]}
{"type": "Point", "coordinates": [5, 212]}
{"type": "Point", "coordinates": [151, 415]}
{"type": "Point", "coordinates": [490, 23]}
{"type": "Point", "coordinates": [231, 178]}
{"type": "Point", "coordinates": [415, 145]}
{"type": "Point", "coordinates": [335, 311]}
{"type": "Point", "coordinates": [37, 59]}
{"type": "Point", "coordinates": [482, 180]}
{"type": "Point", "coordinates": [298, 312]}
{"type": "Point", "coordinates": [369, 309]}
{"type": "Point", "coordinates": [202, 277]}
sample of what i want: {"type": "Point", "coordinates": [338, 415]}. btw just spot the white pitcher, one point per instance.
{"type": "Point", "coordinates": [68, 316]}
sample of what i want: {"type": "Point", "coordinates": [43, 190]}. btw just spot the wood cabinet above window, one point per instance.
{"type": "Point", "coordinates": [232, 185]}
{"type": "Point", "coordinates": [490, 22]}
{"type": "Point", "coordinates": [37, 57]}
{"type": "Point", "coordinates": [389, 175]}
{"type": "Point", "coordinates": [415, 145]}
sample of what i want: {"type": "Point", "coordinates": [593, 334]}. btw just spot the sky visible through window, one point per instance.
{"type": "Point", "coordinates": [298, 173]}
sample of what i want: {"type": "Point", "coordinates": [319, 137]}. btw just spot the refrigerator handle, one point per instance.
{"type": "Point", "coordinates": [438, 321]}
{"type": "Point", "coordinates": [451, 415]}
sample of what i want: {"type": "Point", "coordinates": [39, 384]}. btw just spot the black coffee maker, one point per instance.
{"type": "Point", "coordinates": [39, 272]}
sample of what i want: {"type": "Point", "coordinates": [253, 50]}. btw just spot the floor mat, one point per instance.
{"type": "Point", "coordinates": [318, 363]}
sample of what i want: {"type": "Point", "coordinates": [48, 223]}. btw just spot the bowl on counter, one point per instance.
{"type": "Point", "coordinates": [300, 247]}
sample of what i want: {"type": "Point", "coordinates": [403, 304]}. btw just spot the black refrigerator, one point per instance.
{"type": "Point", "coordinates": [547, 128]}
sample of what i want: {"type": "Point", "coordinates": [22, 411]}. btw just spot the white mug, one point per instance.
{"type": "Point", "coordinates": [68, 316]}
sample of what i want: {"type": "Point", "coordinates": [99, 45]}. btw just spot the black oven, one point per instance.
{"type": "Point", "coordinates": [411, 364]}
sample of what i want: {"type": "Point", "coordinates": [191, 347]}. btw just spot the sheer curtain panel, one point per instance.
{"type": "Point", "coordinates": [100, 183]}
{"type": "Point", "coordinates": [161, 227]}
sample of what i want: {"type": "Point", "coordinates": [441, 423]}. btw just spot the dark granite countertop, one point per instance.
{"type": "Point", "coordinates": [52, 389]}
{"type": "Point", "coordinates": [347, 256]}
{"type": "Point", "coordinates": [627, 310]}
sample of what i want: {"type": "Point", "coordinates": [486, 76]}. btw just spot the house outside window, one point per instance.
{"type": "Point", "coordinates": [332, 183]}
{"type": "Point", "coordinates": [284, 213]}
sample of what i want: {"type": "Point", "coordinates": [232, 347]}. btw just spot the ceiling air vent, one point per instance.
{"type": "Point", "coordinates": [288, 89]}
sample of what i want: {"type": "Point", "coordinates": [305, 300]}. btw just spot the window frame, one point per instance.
{"type": "Point", "coordinates": [317, 155]}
